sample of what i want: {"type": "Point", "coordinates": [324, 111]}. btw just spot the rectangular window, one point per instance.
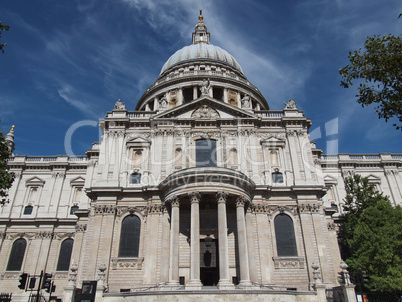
{"type": "Point", "coordinates": [206, 153]}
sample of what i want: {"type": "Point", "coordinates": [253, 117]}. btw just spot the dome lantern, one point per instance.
{"type": "Point", "coordinates": [201, 35]}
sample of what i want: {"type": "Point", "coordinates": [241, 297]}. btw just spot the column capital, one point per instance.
{"type": "Point", "coordinates": [221, 196]}
{"type": "Point", "coordinates": [174, 201]}
{"type": "Point", "coordinates": [194, 197]}
{"type": "Point", "coordinates": [241, 201]}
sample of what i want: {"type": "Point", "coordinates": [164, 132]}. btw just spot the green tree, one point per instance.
{"type": "Point", "coordinates": [373, 234]}
{"type": "Point", "coordinates": [5, 28]}
{"type": "Point", "coordinates": [6, 177]}
{"type": "Point", "coordinates": [376, 246]}
{"type": "Point", "coordinates": [379, 67]}
{"type": "Point", "coordinates": [360, 195]}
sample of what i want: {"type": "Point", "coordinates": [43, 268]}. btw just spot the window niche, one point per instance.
{"type": "Point", "coordinates": [34, 187]}
{"type": "Point", "coordinates": [77, 185]}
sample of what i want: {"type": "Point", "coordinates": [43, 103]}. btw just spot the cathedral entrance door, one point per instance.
{"type": "Point", "coordinates": [209, 262]}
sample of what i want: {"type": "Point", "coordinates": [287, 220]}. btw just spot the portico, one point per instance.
{"type": "Point", "coordinates": [222, 198]}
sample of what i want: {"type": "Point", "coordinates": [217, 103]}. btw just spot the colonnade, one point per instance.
{"type": "Point", "coordinates": [224, 281]}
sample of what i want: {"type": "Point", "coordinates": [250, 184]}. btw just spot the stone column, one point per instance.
{"type": "Point", "coordinates": [174, 243]}
{"type": "Point", "coordinates": [195, 282]}
{"type": "Point", "coordinates": [242, 242]}
{"type": "Point", "coordinates": [195, 92]}
{"type": "Point", "coordinates": [225, 95]}
{"type": "Point", "coordinates": [180, 97]}
{"type": "Point", "coordinates": [224, 282]}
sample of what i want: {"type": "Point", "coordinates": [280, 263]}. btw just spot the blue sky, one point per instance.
{"type": "Point", "coordinates": [67, 62]}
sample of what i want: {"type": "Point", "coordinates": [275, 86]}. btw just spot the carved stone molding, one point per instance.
{"type": "Point", "coordinates": [143, 210]}
{"type": "Point", "coordinates": [12, 236]}
{"type": "Point", "coordinates": [60, 275]}
{"type": "Point", "coordinates": [331, 226]}
{"type": "Point", "coordinates": [309, 208]}
{"type": "Point", "coordinates": [288, 262]}
{"type": "Point", "coordinates": [127, 263]}
{"type": "Point", "coordinates": [269, 209]}
{"type": "Point", "coordinates": [45, 235]}
{"type": "Point", "coordinates": [104, 209]}
{"type": "Point", "coordinates": [156, 209]}
{"type": "Point", "coordinates": [80, 228]}
{"type": "Point", "coordinates": [2, 234]}
{"type": "Point", "coordinates": [63, 235]}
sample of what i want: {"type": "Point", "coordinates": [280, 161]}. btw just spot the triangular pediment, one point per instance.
{"type": "Point", "coordinates": [78, 181]}
{"type": "Point", "coordinates": [137, 141]}
{"type": "Point", "coordinates": [34, 181]}
{"type": "Point", "coordinates": [273, 141]}
{"type": "Point", "coordinates": [373, 179]}
{"type": "Point", "coordinates": [205, 108]}
{"type": "Point", "coordinates": [330, 180]}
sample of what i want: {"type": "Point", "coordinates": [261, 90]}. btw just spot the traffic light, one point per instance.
{"type": "Point", "coordinates": [364, 277]}
{"type": "Point", "coordinates": [47, 283]}
{"type": "Point", "coordinates": [23, 280]}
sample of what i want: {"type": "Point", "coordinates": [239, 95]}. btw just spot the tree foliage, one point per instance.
{"type": "Point", "coordinates": [379, 65]}
{"type": "Point", "coordinates": [6, 177]}
{"type": "Point", "coordinates": [373, 233]}
{"type": "Point", "coordinates": [5, 28]}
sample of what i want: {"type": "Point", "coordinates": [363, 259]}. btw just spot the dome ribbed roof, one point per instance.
{"type": "Point", "coordinates": [201, 52]}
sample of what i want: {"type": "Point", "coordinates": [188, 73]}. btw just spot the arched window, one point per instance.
{"type": "Point", "coordinates": [66, 249]}
{"type": "Point", "coordinates": [28, 210]}
{"type": "Point", "coordinates": [206, 153]}
{"type": "Point", "coordinates": [130, 236]}
{"type": "Point", "coordinates": [285, 236]}
{"type": "Point", "coordinates": [17, 255]}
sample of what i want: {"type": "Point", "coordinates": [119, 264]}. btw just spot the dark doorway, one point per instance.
{"type": "Point", "coordinates": [209, 261]}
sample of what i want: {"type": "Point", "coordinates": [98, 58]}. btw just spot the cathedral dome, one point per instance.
{"type": "Point", "coordinates": [201, 51]}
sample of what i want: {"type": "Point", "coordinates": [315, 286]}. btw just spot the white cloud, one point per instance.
{"type": "Point", "coordinates": [77, 100]}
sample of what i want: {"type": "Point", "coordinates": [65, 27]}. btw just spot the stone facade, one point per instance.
{"type": "Point", "coordinates": [212, 180]}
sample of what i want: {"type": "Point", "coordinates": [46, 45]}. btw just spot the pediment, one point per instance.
{"type": "Point", "coordinates": [138, 141]}
{"type": "Point", "coordinates": [273, 142]}
{"type": "Point", "coordinates": [78, 181]}
{"type": "Point", "coordinates": [34, 181]}
{"type": "Point", "coordinates": [205, 108]}
{"type": "Point", "coordinates": [330, 180]}
{"type": "Point", "coordinates": [373, 179]}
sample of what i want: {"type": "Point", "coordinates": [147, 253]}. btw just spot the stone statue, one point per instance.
{"type": "Point", "coordinates": [245, 101]}
{"type": "Point", "coordinates": [205, 87]}
{"type": "Point", "coordinates": [163, 102]}
{"type": "Point", "coordinates": [119, 105]}
{"type": "Point", "coordinates": [290, 105]}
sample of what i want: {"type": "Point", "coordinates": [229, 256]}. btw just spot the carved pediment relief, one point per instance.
{"type": "Point", "coordinates": [205, 113]}
{"type": "Point", "coordinates": [205, 108]}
